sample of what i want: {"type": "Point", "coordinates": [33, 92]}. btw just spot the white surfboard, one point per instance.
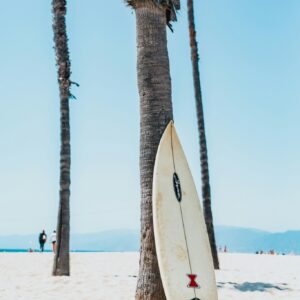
{"type": "Point", "coordinates": [181, 239]}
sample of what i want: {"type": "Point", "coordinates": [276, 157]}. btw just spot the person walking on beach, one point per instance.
{"type": "Point", "coordinates": [42, 240]}
{"type": "Point", "coordinates": [53, 240]}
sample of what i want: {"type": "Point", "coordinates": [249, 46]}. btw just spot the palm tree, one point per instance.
{"type": "Point", "coordinates": [206, 194]}
{"type": "Point", "coordinates": [154, 84]}
{"type": "Point", "coordinates": [62, 261]}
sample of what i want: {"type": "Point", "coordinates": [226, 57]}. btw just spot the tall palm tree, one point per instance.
{"type": "Point", "coordinates": [206, 194]}
{"type": "Point", "coordinates": [154, 84]}
{"type": "Point", "coordinates": [62, 261]}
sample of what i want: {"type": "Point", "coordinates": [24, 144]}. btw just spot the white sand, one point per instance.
{"type": "Point", "coordinates": [112, 276]}
{"type": "Point", "coordinates": [259, 277]}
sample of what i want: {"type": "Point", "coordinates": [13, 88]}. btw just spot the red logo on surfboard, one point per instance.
{"type": "Point", "coordinates": [193, 283]}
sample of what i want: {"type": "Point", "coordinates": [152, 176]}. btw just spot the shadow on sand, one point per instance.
{"type": "Point", "coordinates": [255, 286]}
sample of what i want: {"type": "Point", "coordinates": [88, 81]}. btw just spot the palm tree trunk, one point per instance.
{"type": "Point", "coordinates": [206, 194]}
{"type": "Point", "coordinates": [62, 260]}
{"type": "Point", "coordinates": [154, 83]}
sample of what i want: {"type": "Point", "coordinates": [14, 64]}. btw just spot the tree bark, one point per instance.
{"type": "Point", "coordinates": [154, 84]}
{"type": "Point", "coordinates": [62, 259]}
{"type": "Point", "coordinates": [206, 193]}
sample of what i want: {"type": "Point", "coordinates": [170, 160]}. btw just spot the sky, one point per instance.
{"type": "Point", "coordinates": [250, 70]}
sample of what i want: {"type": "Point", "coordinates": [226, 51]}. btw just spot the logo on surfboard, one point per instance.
{"type": "Point", "coordinates": [193, 283]}
{"type": "Point", "coordinates": [177, 187]}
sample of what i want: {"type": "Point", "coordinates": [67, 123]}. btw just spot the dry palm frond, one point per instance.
{"type": "Point", "coordinates": [171, 7]}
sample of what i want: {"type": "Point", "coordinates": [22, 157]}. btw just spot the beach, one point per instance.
{"type": "Point", "coordinates": [112, 276]}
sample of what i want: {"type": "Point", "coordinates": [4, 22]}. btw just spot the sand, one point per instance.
{"type": "Point", "coordinates": [112, 276]}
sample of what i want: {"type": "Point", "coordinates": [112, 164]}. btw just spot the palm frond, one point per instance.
{"type": "Point", "coordinates": [171, 7]}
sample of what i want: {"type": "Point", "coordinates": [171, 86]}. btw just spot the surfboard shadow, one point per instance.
{"type": "Point", "coordinates": [255, 286]}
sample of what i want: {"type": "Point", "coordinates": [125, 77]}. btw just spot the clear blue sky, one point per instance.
{"type": "Point", "coordinates": [250, 72]}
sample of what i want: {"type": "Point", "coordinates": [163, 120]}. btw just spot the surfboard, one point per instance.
{"type": "Point", "coordinates": [181, 240]}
